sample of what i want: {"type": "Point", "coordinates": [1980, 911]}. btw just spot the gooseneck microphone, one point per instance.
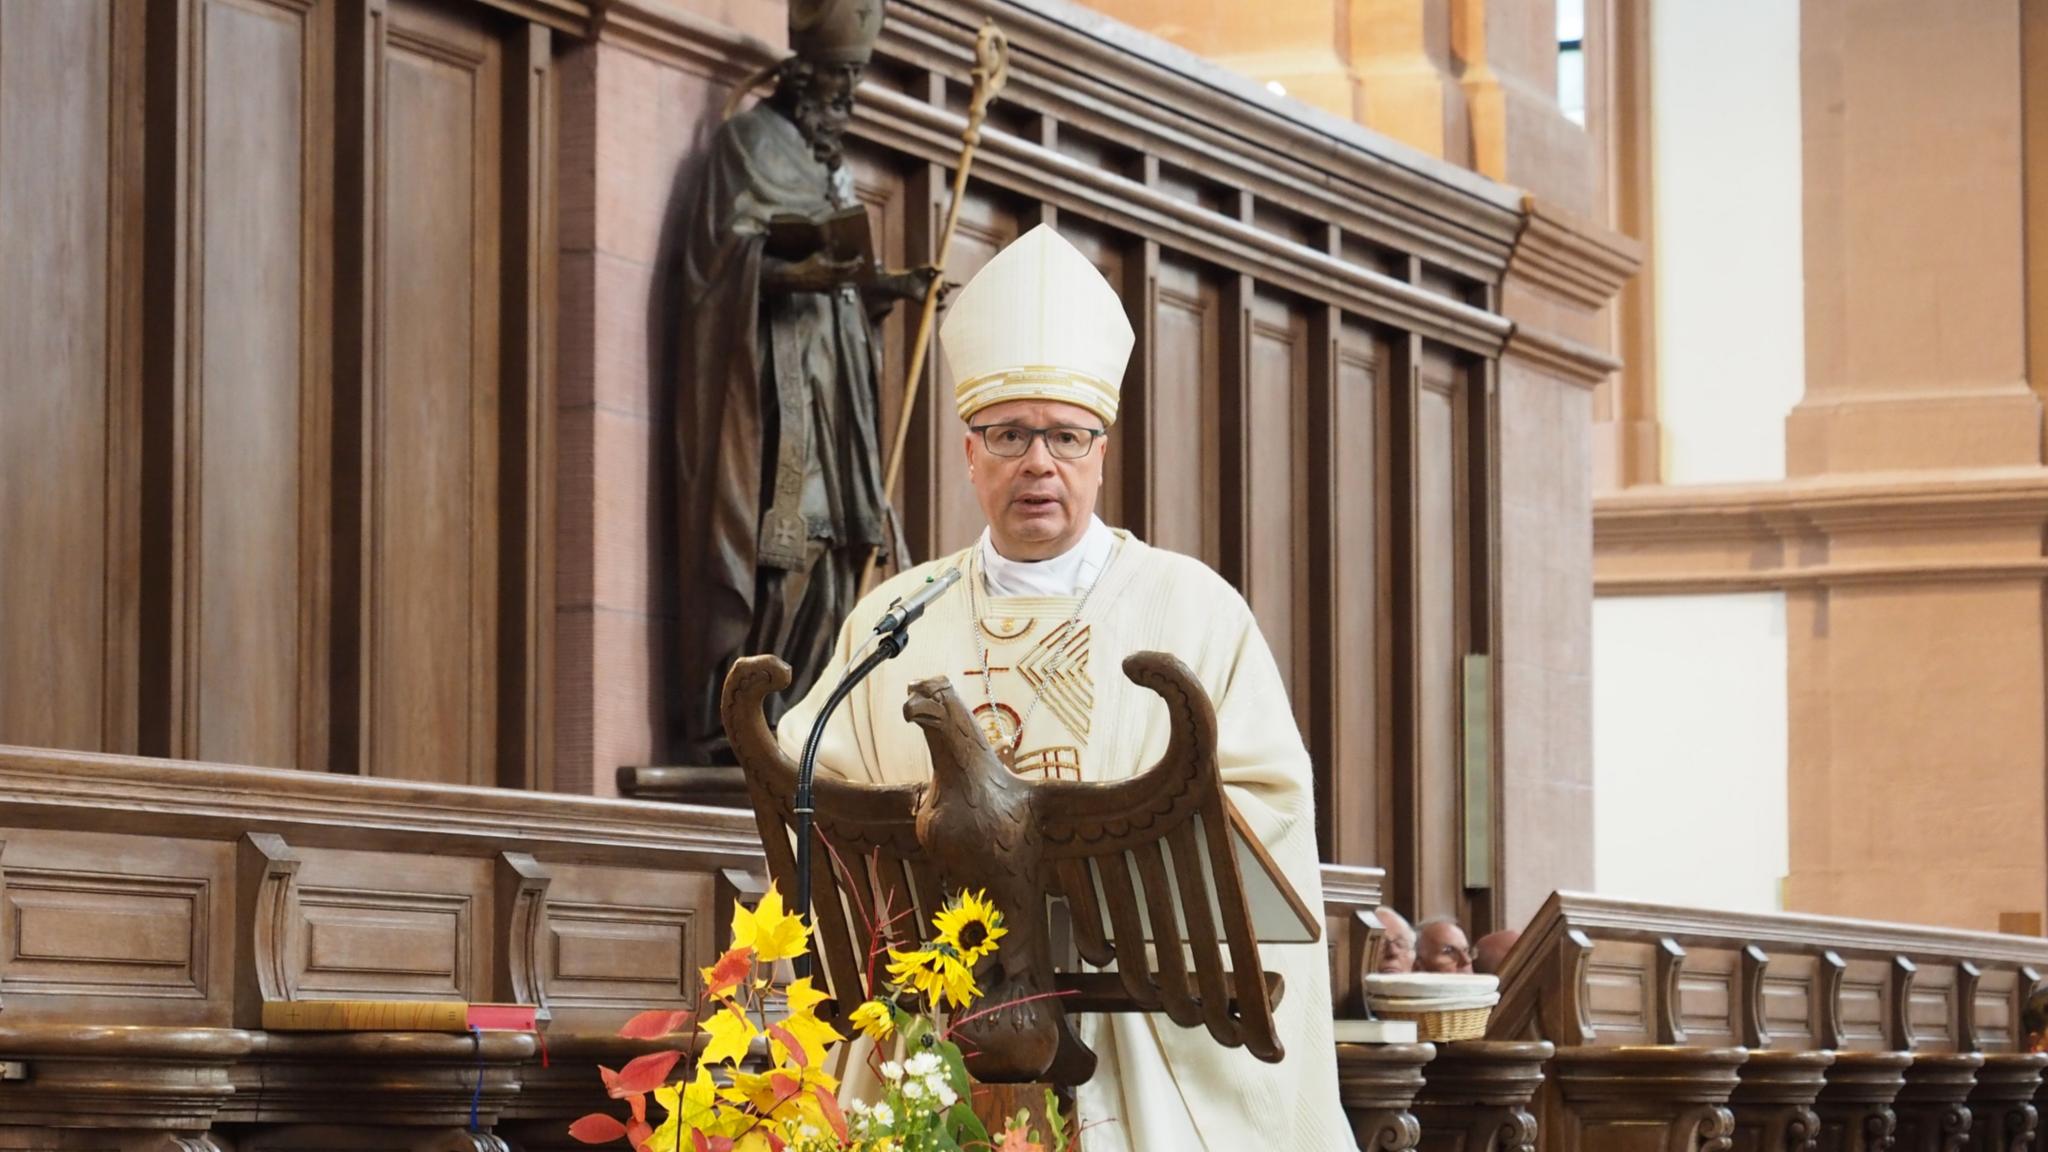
{"type": "Point", "coordinates": [892, 636]}
{"type": "Point", "coordinates": [903, 613]}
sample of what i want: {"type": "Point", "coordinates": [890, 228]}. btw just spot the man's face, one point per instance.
{"type": "Point", "coordinates": [1037, 504]}
{"type": "Point", "coordinates": [1443, 948]}
{"type": "Point", "coordinates": [824, 106]}
{"type": "Point", "coordinates": [1397, 954]}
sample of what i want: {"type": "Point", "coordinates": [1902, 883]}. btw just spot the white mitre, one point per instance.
{"type": "Point", "coordinates": [1038, 322]}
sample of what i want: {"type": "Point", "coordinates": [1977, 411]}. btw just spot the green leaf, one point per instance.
{"type": "Point", "coordinates": [963, 1127]}
{"type": "Point", "coordinates": [1056, 1121]}
{"type": "Point", "coordinates": [956, 1068]}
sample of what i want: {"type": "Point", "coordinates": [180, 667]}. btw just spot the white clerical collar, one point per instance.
{"type": "Point", "coordinates": [1068, 574]}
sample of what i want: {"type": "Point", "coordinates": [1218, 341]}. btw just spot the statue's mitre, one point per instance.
{"type": "Point", "coordinates": [834, 31]}
{"type": "Point", "coordinates": [1038, 322]}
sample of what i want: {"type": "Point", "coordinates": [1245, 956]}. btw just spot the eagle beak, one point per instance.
{"type": "Point", "coordinates": [925, 707]}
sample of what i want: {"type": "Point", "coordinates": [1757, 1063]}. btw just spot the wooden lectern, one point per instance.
{"type": "Point", "coordinates": [1158, 874]}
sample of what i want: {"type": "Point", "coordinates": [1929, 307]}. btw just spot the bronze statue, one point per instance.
{"type": "Point", "coordinates": [1145, 843]}
{"type": "Point", "coordinates": [777, 455]}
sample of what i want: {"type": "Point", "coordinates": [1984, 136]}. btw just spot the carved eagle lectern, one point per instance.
{"type": "Point", "coordinates": [1146, 865]}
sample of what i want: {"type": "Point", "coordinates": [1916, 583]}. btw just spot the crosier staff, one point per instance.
{"type": "Point", "coordinates": [991, 72]}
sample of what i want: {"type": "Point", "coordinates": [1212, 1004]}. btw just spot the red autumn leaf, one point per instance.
{"type": "Point", "coordinates": [597, 1128]}
{"type": "Point", "coordinates": [639, 1102]}
{"type": "Point", "coordinates": [611, 1082]}
{"type": "Point", "coordinates": [711, 1143]}
{"type": "Point", "coordinates": [639, 1132]}
{"type": "Point", "coordinates": [775, 1143]}
{"type": "Point", "coordinates": [646, 1073]}
{"type": "Point", "coordinates": [654, 1024]}
{"type": "Point", "coordinates": [731, 969]}
{"type": "Point", "coordinates": [784, 1086]}
{"type": "Point", "coordinates": [829, 1105]}
{"type": "Point", "coordinates": [797, 1055]}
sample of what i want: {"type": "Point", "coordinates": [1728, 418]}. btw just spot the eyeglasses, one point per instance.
{"type": "Point", "coordinates": [1010, 441]}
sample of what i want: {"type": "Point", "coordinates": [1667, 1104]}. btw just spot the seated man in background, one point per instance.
{"type": "Point", "coordinates": [1441, 946]}
{"type": "Point", "coordinates": [1490, 954]}
{"type": "Point", "coordinates": [1397, 950]}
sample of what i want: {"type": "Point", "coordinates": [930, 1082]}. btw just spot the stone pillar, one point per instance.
{"type": "Point", "coordinates": [1407, 85]}
{"type": "Point", "coordinates": [1293, 42]}
{"type": "Point", "coordinates": [1507, 56]}
{"type": "Point", "coordinates": [1917, 690]}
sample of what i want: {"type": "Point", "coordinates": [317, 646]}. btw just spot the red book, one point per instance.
{"type": "Point", "coordinates": [503, 1017]}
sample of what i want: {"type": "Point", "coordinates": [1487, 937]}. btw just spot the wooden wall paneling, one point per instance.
{"type": "Point", "coordinates": [126, 268]}
{"type": "Point", "coordinates": [884, 184]}
{"type": "Point", "coordinates": [255, 385]}
{"type": "Point", "coordinates": [1356, 624]}
{"type": "Point", "coordinates": [97, 922]}
{"type": "Point", "coordinates": [1275, 489]}
{"type": "Point", "coordinates": [1113, 255]}
{"type": "Point", "coordinates": [359, 367]}
{"type": "Point", "coordinates": [1482, 615]}
{"type": "Point", "coordinates": [63, 384]}
{"type": "Point", "coordinates": [1321, 604]}
{"type": "Point", "coordinates": [379, 925]}
{"type": "Point", "coordinates": [926, 200]}
{"type": "Point", "coordinates": [1138, 414]}
{"type": "Point", "coordinates": [434, 499]}
{"type": "Point", "coordinates": [1400, 823]}
{"type": "Point", "coordinates": [1232, 513]}
{"type": "Point", "coordinates": [619, 940]}
{"type": "Point", "coordinates": [952, 519]}
{"type": "Point", "coordinates": [526, 612]}
{"type": "Point", "coordinates": [1441, 628]}
{"type": "Point", "coordinates": [1184, 416]}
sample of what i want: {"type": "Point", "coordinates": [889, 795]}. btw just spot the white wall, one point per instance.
{"type": "Point", "coordinates": [1689, 730]}
{"type": "Point", "coordinates": [1725, 118]}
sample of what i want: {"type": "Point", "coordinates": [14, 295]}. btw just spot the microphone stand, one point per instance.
{"type": "Point", "coordinates": [891, 645]}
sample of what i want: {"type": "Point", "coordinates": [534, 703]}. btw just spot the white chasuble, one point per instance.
{"type": "Point", "coordinates": [1057, 677]}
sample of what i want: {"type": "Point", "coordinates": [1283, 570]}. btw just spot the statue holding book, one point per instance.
{"type": "Point", "coordinates": [778, 461]}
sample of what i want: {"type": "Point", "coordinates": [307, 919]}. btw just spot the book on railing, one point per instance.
{"type": "Point", "coordinates": [396, 1016]}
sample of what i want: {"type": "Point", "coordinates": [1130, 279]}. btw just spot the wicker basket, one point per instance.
{"type": "Point", "coordinates": [1440, 1025]}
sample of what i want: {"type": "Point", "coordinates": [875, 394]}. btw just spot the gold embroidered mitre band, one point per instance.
{"type": "Point", "coordinates": [1038, 322]}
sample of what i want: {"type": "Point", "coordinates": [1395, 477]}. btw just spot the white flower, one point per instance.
{"type": "Point", "coordinates": [883, 1115]}
{"type": "Point", "coordinates": [948, 1097]}
{"type": "Point", "coordinates": [913, 1089]}
{"type": "Point", "coordinates": [922, 1064]}
{"type": "Point", "coordinates": [892, 1071]}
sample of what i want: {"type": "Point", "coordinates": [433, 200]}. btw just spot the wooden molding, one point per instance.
{"type": "Point", "coordinates": [520, 898]}
{"type": "Point", "coordinates": [1899, 1007]}
{"type": "Point", "coordinates": [1753, 1030]}
{"type": "Point", "coordinates": [1670, 962]}
{"type": "Point", "coordinates": [266, 874]}
{"type": "Point", "coordinates": [1571, 258]}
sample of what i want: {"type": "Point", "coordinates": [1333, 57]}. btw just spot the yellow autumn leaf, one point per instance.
{"type": "Point", "coordinates": [769, 930]}
{"type": "Point", "coordinates": [731, 1033]}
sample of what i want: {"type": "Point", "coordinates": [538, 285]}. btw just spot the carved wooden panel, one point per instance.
{"type": "Point", "coordinates": [1790, 1004]}
{"type": "Point", "coordinates": [61, 388]}
{"type": "Point", "coordinates": [377, 926]}
{"type": "Point", "coordinates": [435, 403]}
{"type": "Point", "coordinates": [255, 380]}
{"type": "Point", "coordinates": [1619, 990]}
{"type": "Point", "coordinates": [141, 922]}
{"type": "Point", "coordinates": [1355, 754]}
{"type": "Point", "coordinates": [1275, 454]}
{"type": "Point", "coordinates": [621, 940]}
{"type": "Point", "coordinates": [1182, 419]}
{"type": "Point", "coordinates": [1709, 997]}
{"type": "Point", "coordinates": [1865, 1002]}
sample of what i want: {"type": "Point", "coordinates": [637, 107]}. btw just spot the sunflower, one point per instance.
{"type": "Point", "coordinates": [935, 972]}
{"type": "Point", "coordinates": [970, 925]}
{"type": "Point", "coordinates": [875, 1020]}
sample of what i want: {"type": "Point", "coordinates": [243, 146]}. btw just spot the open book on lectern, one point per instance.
{"type": "Point", "coordinates": [1168, 891]}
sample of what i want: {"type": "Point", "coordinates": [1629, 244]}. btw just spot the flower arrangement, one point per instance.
{"type": "Point", "coordinates": [734, 1102]}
